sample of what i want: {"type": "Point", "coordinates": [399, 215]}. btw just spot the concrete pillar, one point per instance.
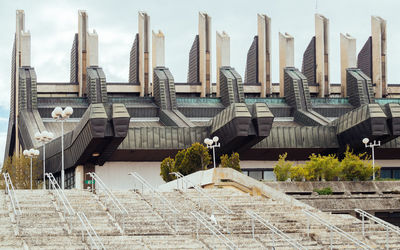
{"type": "Point", "coordinates": [348, 59]}
{"type": "Point", "coordinates": [144, 53]}
{"type": "Point", "coordinates": [23, 58]}
{"type": "Point", "coordinates": [88, 52]}
{"type": "Point", "coordinates": [286, 58]}
{"type": "Point", "coordinates": [92, 55]}
{"type": "Point", "coordinates": [158, 49]}
{"type": "Point", "coordinates": [322, 54]}
{"type": "Point", "coordinates": [79, 177]}
{"type": "Point", "coordinates": [379, 69]}
{"type": "Point", "coordinates": [223, 48]}
{"type": "Point", "coordinates": [205, 54]}
{"type": "Point", "coordinates": [264, 53]}
{"type": "Point", "coordinates": [82, 49]}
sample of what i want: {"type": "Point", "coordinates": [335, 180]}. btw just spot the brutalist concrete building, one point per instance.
{"type": "Point", "coordinates": [117, 128]}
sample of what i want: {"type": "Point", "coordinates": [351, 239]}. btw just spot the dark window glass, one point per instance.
{"type": "Point", "coordinates": [256, 174]}
{"type": "Point", "coordinates": [386, 173]}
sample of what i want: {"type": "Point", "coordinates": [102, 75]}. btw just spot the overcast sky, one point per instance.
{"type": "Point", "coordinates": [52, 25]}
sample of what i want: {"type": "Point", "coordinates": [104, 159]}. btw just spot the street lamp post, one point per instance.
{"type": "Point", "coordinates": [61, 115]}
{"type": "Point", "coordinates": [212, 143]}
{"type": "Point", "coordinates": [372, 146]}
{"type": "Point", "coordinates": [44, 137]}
{"type": "Point", "coordinates": [31, 153]}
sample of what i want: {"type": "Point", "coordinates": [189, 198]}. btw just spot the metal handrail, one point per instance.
{"type": "Point", "coordinates": [224, 208]}
{"type": "Point", "coordinates": [94, 238]}
{"type": "Point", "coordinates": [60, 193]}
{"type": "Point", "coordinates": [110, 195]}
{"type": "Point", "coordinates": [122, 210]}
{"type": "Point", "coordinates": [274, 229]}
{"type": "Point", "coordinates": [166, 202]}
{"type": "Point", "coordinates": [334, 228]}
{"type": "Point", "coordinates": [203, 220]}
{"type": "Point", "coordinates": [13, 198]}
{"type": "Point", "coordinates": [379, 221]}
{"type": "Point", "coordinates": [386, 225]}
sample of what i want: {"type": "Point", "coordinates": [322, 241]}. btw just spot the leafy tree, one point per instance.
{"type": "Point", "coordinates": [297, 173]}
{"type": "Point", "coordinates": [196, 158]}
{"type": "Point", "coordinates": [232, 161]}
{"type": "Point", "coordinates": [282, 168]}
{"type": "Point", "coordinates": [167, 166]}
{"type": "Point", "coordinates": [357, 166]}
{"type": "Point", "coordinates": [322, 167]}
{"type": "Point", "coordinates": [18, 166]}
{"type": "Point", "coordinates": [187, 161]}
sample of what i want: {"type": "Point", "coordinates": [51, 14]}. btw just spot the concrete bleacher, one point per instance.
{"type": "Point", "coordinates": [149, 224]}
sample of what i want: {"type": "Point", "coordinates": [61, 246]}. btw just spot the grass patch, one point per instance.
{"type": "Point", "coordinates": [324, 191]}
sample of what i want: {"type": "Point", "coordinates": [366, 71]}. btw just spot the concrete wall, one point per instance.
{"type": "Point", "coordinates": [286, 58]}
{"type": "Point", "coordinates": [348, 59]}
{"type": "Point", "coordinates": [115, 174]}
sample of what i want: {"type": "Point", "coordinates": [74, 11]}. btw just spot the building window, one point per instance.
{"type": "Point", "coordinates": [269, 175]}
{"type": "Point", "coordinates": [256, 174]}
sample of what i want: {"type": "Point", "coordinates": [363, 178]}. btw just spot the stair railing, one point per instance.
{"type": "Point", "coordinates": [188, 183]}
{"type": "Point", "coordinates": [202, 219]}
{"type": "Point", "coordinates": [13, 198]}
{"type": "Point", "coordinates": [166, 203]}
{"type": "Point", "coordinates": [332, 229]}
{"type": "Point", "coordinates": [94, 240]}
{"type": "Point", "coordinates": [255, 217]}
{"type": "Point", "coordinates": [388, 227]}
{"type": "Point", "coordinates": [119, 210]}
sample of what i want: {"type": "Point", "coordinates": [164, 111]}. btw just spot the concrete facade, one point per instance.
{"type": "Point", "coordinates": [379, 69]}
{"type": "Point", "coordinates": [144, 53]}
{"type": "Point", "coordinates": [158, 49]}
{"type": "Point", "coordinates": [115, 174]}
{"type": "Point", "coordinates": [348, 59]}
{"type": "Point", "coordinates": [205, 54]}
{"type": "Point", "coordinates": [223, 55]}
{"type": "Point", "coordinates": [286, 58]}
{"type": "Point", "coordinates": [322, 54]}
{"type": "Point", "coordinates": [264, 53]}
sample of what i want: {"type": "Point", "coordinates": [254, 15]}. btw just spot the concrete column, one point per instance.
{"type": "Point", "coordinates": [286, 58]}
{"type": "Point", "coordinates": [88, 49]}
{"type": "Point", "coordinates": [82, 49]}
{"type": "Point", "coordinates": [205, 54]}
{"type": "Point", "coordinates": [322, 54]}
{"type": "Point", "coordinates": [264, 53]}
{"type": "Point", "coordinates": [223, 55]}
{"type": "Point", "coordinates": [79, 177]}
{"type": "Point", "coordinates": [158, 49]}
{"type": "Point", "coordinates": [23, 58]}
{"type": "Point", "coordinates": [144, 53]}
{"type": "Point", "coordinates": [379, 71]}
{"type": "Point", "coordinates": [92, 54]}
{"type": "Point", "coordinates": [348, 59]}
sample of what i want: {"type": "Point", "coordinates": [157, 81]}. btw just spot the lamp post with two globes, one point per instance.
{"type": "Point", "coordinates": [31, 153]}
{"type": "Point", "coordinates": [372, 146]}
{"type": "Point", "coordinates": [44, 137]}
{"type": "Point", "coordinates": [61, 115]}
{"type": "Point", "coordinates": [212, 143]}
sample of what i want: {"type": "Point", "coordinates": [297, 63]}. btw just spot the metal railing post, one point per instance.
{"type": "Point", "coordinates": [363, 232]}
{"type": "Point", "coordinates": [252, 227]}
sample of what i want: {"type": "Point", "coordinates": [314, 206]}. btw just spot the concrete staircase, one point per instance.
{"type": "Point", "coordinates": [150, 225]}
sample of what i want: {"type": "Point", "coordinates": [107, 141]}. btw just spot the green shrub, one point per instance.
{"type": "Point", "coordinates": [357, 167]}
{"type": "Point", "coordinates": [167, 166]}
{"type": "Point", "coordinates": [297, 173]}
{"type": "Point", "coordinates": [282, 168]}
{"type": "Point", "coordinates": [322, 167]}
{"type": "Point", "coordinates": [186, 161]}
{"type": "Point", "coordinates": [232, 161]}
{"type": "Point", "coordinates": [324, 191]}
